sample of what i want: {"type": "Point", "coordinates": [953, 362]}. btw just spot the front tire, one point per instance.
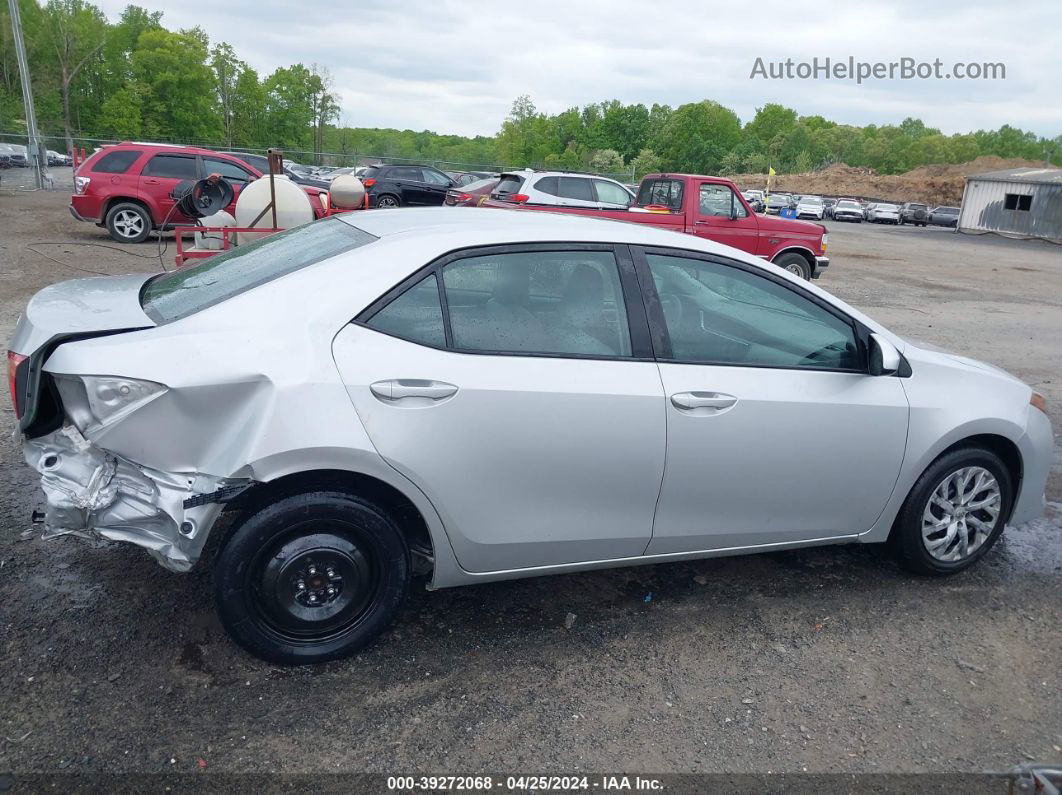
{"type": "Point", "coordinates": [794, 263]}
{"type": "Point", "coordinates": [955, 512]}
{"type": "Point", "coordinates": [128, 223]}
{"type": "Point", "coordinates": [387, 201]}
{"type": "Point", "coordinates": [312, 577]}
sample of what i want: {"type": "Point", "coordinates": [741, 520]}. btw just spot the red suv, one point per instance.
{"type": "Point", "coordinates": [126, 187]}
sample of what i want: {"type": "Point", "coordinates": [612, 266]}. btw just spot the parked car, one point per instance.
{"type": "Point", "coordinates": [827, 207]}
{"type": "Point", "coordinates": [776, 202]}
{"type": "Point", "coordinates": [944, 216]}
{"type": "Point", "coordinates": [260, 163]}
{"type": "Point", "coordinates": [16, 154]}
{"type": "Point", "coordinates": [754, 199]}
{"type": "Point", "coordinates": [127, 188]}
{"type": "Point", "coordinates": [712, 207]}
{"type": "Point", "coordinates": [571, 354]}
{"type": "Point", "coordinates": [810, 207]}
{"type": "Point", "coordinates": [405, 186]}
{"type": "Point", "coordinates": [848, 210]}
{"type": "Point", "coordinates": [462, 178]}
{"type": "Point", "coordinates": [561, 189]}
{"type": "Point", "coordinates": [883, 213]}
{"type": "Point", "coordinates": [914, 213]}
{"type": "Point", "coordinates": [57, 159]}
{"type": "Point", "coordinates": [471, 194]}
{"type": "Point", "coordinates": [5, 160]}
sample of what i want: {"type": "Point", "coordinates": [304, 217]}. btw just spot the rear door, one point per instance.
{"type": "Point", "coordinates": [515, 386]}
{"type": "Point", "coordinates": [719, 214]}
{"type": "Point", "coordinates": [409, 183]}
{"type": "Point", "coordinates": [160, 176]}
{"type": "Point", "coordinates": [576, 192]}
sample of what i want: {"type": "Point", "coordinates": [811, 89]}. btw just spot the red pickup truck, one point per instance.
{"type": "Point", "coordinates": [710, 207]}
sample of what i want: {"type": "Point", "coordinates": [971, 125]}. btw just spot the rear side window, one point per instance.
{"type": "Point", "coordinates": [576, 188]}
{"type": "Point", "coordinates": [665, 192]}
{"type": "Point", "coordinates": [550, 185]}
{"type": "Point", "coordinates": [116, 162]}
{"type": "Point", "coordinates": [171, 167]}
{"type": "Point", "coordinates": [405, 172]}
{"type": "Point", "coordinates": [171, 296]}
{"type": "Point", "coordinates": [416, 315]}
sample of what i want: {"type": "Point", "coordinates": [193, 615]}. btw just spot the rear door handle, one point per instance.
{"type": "Point", "coordinates": [401, 388]}
{"type": "Point", "coordinates": [702, 400]}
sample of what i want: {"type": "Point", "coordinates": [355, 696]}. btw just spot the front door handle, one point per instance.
{"type": "Point", "coordinates": [402, 388]}
{"type": "Point", "coordinates": [702, 400]}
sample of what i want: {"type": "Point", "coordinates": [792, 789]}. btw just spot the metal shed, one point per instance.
{"type": "Point", "coordinates": [1023, 202]}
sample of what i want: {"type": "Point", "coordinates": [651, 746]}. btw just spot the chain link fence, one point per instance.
{"type": "Point", "coordinates": [57, 142]}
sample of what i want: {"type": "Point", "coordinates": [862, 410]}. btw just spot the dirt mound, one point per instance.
{"type": "Point", "coordinates": [932, 184]}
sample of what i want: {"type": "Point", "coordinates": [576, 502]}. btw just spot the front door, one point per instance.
{"type": "Point", "coordinates": [520, 406]}
{"type": "Point", "coordinates": [775, 431]}
{"type": "Point", "coordinates": [722, 216]}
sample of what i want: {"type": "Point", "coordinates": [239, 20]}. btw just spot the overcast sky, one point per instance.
{"type": "Point", "coordinates": [455, 66]}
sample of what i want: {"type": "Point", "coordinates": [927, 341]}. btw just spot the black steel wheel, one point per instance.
{"type": "Point", "coordinates": [312, 577]}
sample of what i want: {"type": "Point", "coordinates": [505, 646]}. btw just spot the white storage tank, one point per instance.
{"type": "Point", "coordinates": [292, 203]}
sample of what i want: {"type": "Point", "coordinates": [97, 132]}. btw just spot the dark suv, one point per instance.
{"type": "Point", "coordinates": [914, 213]}
{"type": "Point", "coordinates": [401, 186]}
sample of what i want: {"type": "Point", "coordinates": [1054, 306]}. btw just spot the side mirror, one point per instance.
{"type": "Point", "coordinates": [884, 358]}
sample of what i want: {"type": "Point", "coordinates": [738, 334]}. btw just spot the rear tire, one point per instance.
{"type": "Point", "coordinates": [387, 201]}
{"type": "Point", "coordinates": [128, 223]}
{"type": "Point", "coordinates": [794, 263]}
{"type": "Point", "coordinates": [311, 577]}
{"type": "Point", "coordinates": [939, 520]}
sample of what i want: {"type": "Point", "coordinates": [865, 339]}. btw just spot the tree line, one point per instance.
{"type": "Point", "coordinates": [135, 79]}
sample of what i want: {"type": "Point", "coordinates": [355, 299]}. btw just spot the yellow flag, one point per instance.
{"type": "Point", "coordinates": [770, 171]}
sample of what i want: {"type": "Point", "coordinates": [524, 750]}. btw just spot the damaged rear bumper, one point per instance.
{"type": "Point", "coordinates": [89, 490]}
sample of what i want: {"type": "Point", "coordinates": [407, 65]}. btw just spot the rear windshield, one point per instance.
{"type": "Point", "coordinates": [666, 192]}
{"type": "Point", "coordinates": [171, 296]}
{"type": "Point", "coordinates": [509, 184]}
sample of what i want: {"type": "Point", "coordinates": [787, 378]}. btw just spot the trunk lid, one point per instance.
{"type": "Point", "coordinates": [81, 306]}
{"type": "Point", "coordinates": [71, 310]}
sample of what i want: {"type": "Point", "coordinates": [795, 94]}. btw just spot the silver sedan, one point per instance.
{"type": "Point", "coordinates": [475, 395]}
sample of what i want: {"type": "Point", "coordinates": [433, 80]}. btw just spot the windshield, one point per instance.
{"type": "Point", "coordinates": [848, 205]}
{"type": "Point", "coordinates": [811, 200]}
{"type": "Point", "coordinates": [171, 296]}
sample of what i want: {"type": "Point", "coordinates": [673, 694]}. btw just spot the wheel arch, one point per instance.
{"type": "Point", "coordinates": [113, 200]}
{"type": "Point", "coordinates": [365, 475]}
{"type": "Point", "coordinates": [803, 251]}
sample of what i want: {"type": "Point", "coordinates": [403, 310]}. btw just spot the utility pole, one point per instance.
{"type": "Point", "coordinates": [36, 146]}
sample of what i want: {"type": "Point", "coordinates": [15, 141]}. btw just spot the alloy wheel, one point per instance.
{"type": "Point", "coordinates": [961, 514]}
{"type": "Point", "coordinates": [128, 223]}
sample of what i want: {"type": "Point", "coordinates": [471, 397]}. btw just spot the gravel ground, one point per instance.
{"type": "Point", "coordinates": [828, 660]}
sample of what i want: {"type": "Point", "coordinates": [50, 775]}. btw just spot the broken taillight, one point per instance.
{"type": "Point", "coordinates": [13, 361]}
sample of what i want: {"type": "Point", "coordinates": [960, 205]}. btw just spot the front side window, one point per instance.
{"type": "Point", "coordinates": [717, 314]}
{"type": "Point", "coordinates": [550, 302]}
{"type": "Point", "coordinates": [416, 315]}
{"type": "Point", "coordinates": [227, 169]}
{"type": "Point", "coordinates": [611, 193]}
{"type": "Point", "coordinates": [171, 167]}
{"type": "Point", "coordinates": [171, 296]}
{"type": "Point", "coordinates": [720, 201]}
{"type": "Point", "coordinates": [434, 177]}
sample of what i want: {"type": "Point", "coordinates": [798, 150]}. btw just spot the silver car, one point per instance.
{"type": "Point", "coordinates": [471, 395]}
